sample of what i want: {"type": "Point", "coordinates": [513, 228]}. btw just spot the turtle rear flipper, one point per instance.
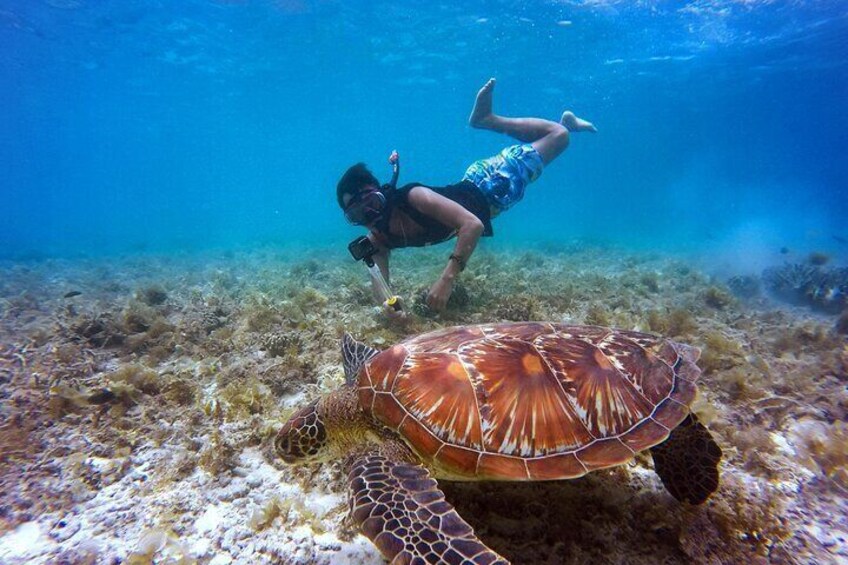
{"type": "Point", "coordinates": [401, 509]}
{"type": "Point", "coordinates": [687, 462]}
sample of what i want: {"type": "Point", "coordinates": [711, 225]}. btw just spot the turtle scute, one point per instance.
{"type": "Point", "coordinates": [530, 401]}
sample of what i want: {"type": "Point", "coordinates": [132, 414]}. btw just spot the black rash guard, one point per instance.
{"type": "Point", "coordinates": [464, 193]}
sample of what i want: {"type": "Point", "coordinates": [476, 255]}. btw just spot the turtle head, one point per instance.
{"type": "Point", "coordinates": [304, 437]}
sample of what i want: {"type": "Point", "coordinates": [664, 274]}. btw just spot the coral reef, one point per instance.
{"type": "Point", "coordinates": [138, 399]}
{"type": "Point", "coordinates": [809, 285]}
{"type": "Point", "coordinates": [283, 344]}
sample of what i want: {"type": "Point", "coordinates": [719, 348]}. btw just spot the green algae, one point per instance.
{"type": "Point", "coordinates": [261, 314]}
{"type": "Point", "coordinates": [242, 398]}
{"type": "Point", "coordinates": [153, 295]}
{"type": "Point", "coordinates": [218, 455]}
{"type": "Point", "coordinates": [518, 308]}
{"type": "Point", "coordinates": [598, 315]}
{"type": "Point", "coordinates": [676, 322]}
{"type": "Point", "coordinates": [136, 378]}
{"type": "Point", "coordinates": [718, 298]}
{"type": "Point", "coordinates": [650, 281]}
{"type": "Point", "coordinates": [720, 353]}
{"type": "Point", "coordinates": [827, 452]}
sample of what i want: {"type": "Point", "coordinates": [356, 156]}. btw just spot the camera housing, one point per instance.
{"type": "Point", "coordinates": [362, 249]}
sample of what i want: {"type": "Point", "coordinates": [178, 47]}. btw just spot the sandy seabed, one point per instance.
{"type": "Point", "coordinates": [139, 396]}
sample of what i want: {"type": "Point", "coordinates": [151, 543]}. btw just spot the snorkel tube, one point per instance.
{"type": "Point", "coordinates": [394, 159]}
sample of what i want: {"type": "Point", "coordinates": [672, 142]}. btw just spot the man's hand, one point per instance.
{"type": "Point", "coordinates": [393, 158]}
{"type": "Point", "coordinates": [394, 311]}
{"type": "Point", "coordinates": [440, 292]}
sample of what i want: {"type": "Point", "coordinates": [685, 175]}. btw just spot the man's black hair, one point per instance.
{"type": "Point", "coordinates": [353, 180]}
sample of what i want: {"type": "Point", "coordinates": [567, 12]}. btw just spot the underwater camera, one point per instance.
{"type": "Point", "coordinates": [363, 249]}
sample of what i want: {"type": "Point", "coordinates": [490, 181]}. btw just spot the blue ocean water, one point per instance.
{"type": "Point", "coordinates": [162, 126]}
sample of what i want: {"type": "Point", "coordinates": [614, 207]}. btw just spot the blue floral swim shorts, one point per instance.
{"type": "Point", "coordinates": [504, 177]}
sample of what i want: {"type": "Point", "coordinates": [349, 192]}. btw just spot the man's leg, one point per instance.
{"type": "Point", "coordinates": [547, 137]}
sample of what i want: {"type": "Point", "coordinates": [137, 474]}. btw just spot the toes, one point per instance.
{"type": "Point", "coordinates": [573, 123]}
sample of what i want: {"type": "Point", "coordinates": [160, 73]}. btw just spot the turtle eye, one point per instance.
{"type": "Point", "coordinates": [302, 437]}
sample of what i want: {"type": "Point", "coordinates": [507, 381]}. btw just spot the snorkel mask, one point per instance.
{"type": "Point", "coordinates": [368, 206]}
{"type": "Point", "coordinates": [365, 207]}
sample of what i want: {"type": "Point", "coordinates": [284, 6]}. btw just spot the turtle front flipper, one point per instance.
{"type": "Point", "coordinates": [687, 462]}
{"type": "Point", "coordinates": [401, 509]}
{"type": "Point", "coordinates": [354, 356]}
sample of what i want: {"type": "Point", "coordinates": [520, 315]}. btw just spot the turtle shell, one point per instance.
{"type": "Point", "coordinates": [529, 401]}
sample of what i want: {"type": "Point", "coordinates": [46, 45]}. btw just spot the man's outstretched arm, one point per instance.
{"type": "Point", "coordinates": [468, 227]}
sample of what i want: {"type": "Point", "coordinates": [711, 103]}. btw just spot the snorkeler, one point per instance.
{"type": "Point", "coordinates": [416, 215]}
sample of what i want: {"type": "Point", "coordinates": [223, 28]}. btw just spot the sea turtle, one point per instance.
{"type": "Point", "coordinates": [505, 402]}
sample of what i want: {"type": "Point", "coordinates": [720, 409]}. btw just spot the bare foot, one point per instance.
{"type": "Point", "coordinates": [481, 115]}
{"type": "Point", "coordinates": [575, 124]}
